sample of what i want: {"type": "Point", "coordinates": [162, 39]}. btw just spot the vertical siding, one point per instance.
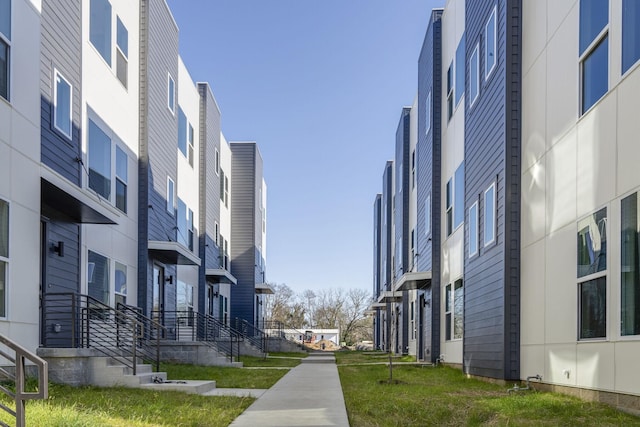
{"type": "Point", "coordinates": [428, 180]}
{"type": "Point", "coordinates": [491, 328]}
{"type": "Point", "coordinates": [243, 229]}
{"type": "Point", "coordinates": [61, 50]}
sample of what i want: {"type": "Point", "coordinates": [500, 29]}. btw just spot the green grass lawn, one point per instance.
{"type": "Point", "coordinates": [273, 360]}
{"type": "Point", "coordinates": [426, 396]}
{"type": "Point", "coordinates": [225, 377]}
{"type": "Point", "coordinates": [125, 407]}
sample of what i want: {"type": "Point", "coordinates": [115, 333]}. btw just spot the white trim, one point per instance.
{"type": "Point", "coordinates": [427, 215]}
{"type": "Point", "coordinates": [494, 16]}
{"type": "Point", "coordinates": [56, 75]}
{"type": "Point", "coordinates": [493, 210]}
{"type": "Point", "coordinates": [7, 261]}
{"type": "Point", "coordinates": [474, 206]}
{"type": "Point", "coordinates": [171, 209]}
{"type": "Point", "coordinates": [428, 113]}
{"type": "Point", "coordinates": [171, 96]}
{"type": "Point", "coordinates": [476, 52]}
{"type": "Point", "coordinates": [217, 162]}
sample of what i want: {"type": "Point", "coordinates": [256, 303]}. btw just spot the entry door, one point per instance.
{"type": "Point", "coordinates": [210, 299]}
{"type": "Point", "coordinates": [157, 304]}
{"type": "Point", "coordinates": [421, 342]}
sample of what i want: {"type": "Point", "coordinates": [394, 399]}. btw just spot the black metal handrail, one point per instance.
{"type": "Point", "coordinates": [18, 360]}
{"type": "Point", "coordinates": [193, 326]}
{"type": "Point", "coordinates": [150, 335]}
{"type": "Point", "coordinates": [81, 321]}
{"type": "Point", "coordinates": [273, 328]}
{"type": "Point", "coordinates": [251, 333]}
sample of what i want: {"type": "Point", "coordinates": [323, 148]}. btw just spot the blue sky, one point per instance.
{"type": "Point", "coordinates": [320, 86]}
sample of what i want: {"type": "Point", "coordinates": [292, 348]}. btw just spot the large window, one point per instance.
{"type": "Point", "coordinates": [182, 132]}
{"type": "Point", "coordinates": [4, 255]}
{"type": "Point", "coordinates": [449, 207]}
{"type": "Point", "coordinates": [454, 310]}
{"type": "Point", "coordinates": [122, 52]}
{"type": "Point", "coordinates": [62, 104]}
{"type": "Point", "coordinates": [490, 46]}
{"type": "Point", "coordinates": [473, 230]}
{"type": "Point", "coordinates": [121, 179]}
{"type": "Point", "coordinates": [592, 269]}
{"type": "Point", "coordinates": [98, 277]}
{"type": "Point", "coordinates": [594, 51]}
{"type": "Point", "coordinates": [474, 75]}
{"type": "Point", "coordinates": [185, 225]}
{"type": "Point", "coordinates": [5, 43]}
{"type": "Point", "coordinates": [100, 27]}
{"type": "Point", "coordinates": [450, 84]}
{"type": "Point", "coordinates": [630, 33]}
{"type": "Point", "coordinates": [490, 215]}
{"type": "Point", "coordinates": [171, 196]}
{"type": "Point", "coordinates": [460, 68]}
{"type": "Point", "coordinates": [120, 284]}
{"type": "Point", "coordinates": [99, 161]}
{"type": "Point", "coordinates": [629, 267]}
{"type": "Point", "coordinates": [191, 145]}
{"type": "Point", "coordinates": [427, 114]}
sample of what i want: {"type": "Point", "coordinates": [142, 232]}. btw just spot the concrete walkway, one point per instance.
{"type": "Point", "coordinates": [309, 395]}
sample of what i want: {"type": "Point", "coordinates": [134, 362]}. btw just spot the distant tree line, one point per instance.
{"type": "Point", "coordinates": [325, 308]}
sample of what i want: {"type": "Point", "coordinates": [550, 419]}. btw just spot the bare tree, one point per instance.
{"type": "Point", "coordinates": [356, 325]}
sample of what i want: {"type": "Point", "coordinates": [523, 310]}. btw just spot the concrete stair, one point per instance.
{"type": "Point", "coordinates": [185, 386]}
{"type": "Point", "coordinates": [319, 357]}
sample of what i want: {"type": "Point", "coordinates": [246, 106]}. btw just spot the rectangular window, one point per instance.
{"type": "Point", "coordinates": [593, 308]}
{"type": "Point", "coordinates": [458, 204]}
{"type": "Point", "coordinates": [5, 40]}
{"type": "Point", "coordinates": [413, 321]}
{"type": "Point", "coordinates": [62, 106]}
{"type": "Point", "coordinates": [98, 277]}
{"type": "Point", "coordinates": [217, 233]}
{"type": "Point", "coordinates": [190, 229]}
{"type": "Point", "coordinates": [171, 194]}
{"type": "Point", "coordinates": [427, 114]}
{"type": "Point", "coordinates": [121, 284]}
{"type": "Point", "coordinates": [4, 255]}
{"type": "Point", "coordinates": [629, 267]}
{"type": "Point", "coordinates": [630, 33]}
{"type": "Point", "coordinates": [449, 205]}
{"type": "Point", "coordinates": [171, 94]}
{"type": "Point", "coordinates": [474, 75]}
{"type": "Point", "coordinates": [217, 162]}
{"type": "Point", "coordinates": [490, 215]}
{"type": "Point", "coordinates": [450, 84]}
{"type": "Point", "coordinates": [185, 225]}
{"type": "Point", "coordinates": [460, 68]}
{"type": "Point", "coordinates": [592, 243]}
{"type": "Point", "coordinates": [458, 310]}
{"type": "Point", "coordinates": [226, 191]}
{"type": "Point", "coordinates": [413, 169]}
{"type": "Point", "coordinates": [413, 246]}
{"type": "Point", "coordinates": [594, 51]}
{"type": "Point", "coordinates": [99, 161]}
{"type": "Point", "coordinates": [121, 179]}
{"type": "Point", "coordinates": [191, 149]}
{"type": "Point", "coordinates": [182, 132]}
{"type": "Point", "coordinates": [427, 215]}
{"type": "Point", "coordinates": [122, 59]}
{"type": "Point", "coordinates": [100, 27]}
{"type": "Point", "coordinates": [473, 230]}
{"type": "Point", "coordinates": [222, 185]}
{"type": "Point", "coordinates": [490, 47]}
{"type": "Point", "coordinates": [5, 18]}
{"type": "Point", "coordinates": [447, 309]}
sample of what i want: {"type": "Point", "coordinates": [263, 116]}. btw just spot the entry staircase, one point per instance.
{"type": "Point", "coordinates": [13, 377]}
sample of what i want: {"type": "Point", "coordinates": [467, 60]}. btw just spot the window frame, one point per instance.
{"type": "Point", "coordinates": [190, 143]}
{"type": "Point", "coordinates": [121, 53]}
{"type": "Point", "coordinates": [449, 197]}
{"type": "Point", "coordinates": [117, 293]}
{"type": "Point", "coordinates": [427, 215]}
{"type": "Point", "coordinates": [493, 216]}
{"type": "Point", "coordinates": [625, 267]}
{"type": "Point", "coordinates": [413, 169]}
{"type": "Point", "coordinates": [473, 229]}
{"type": "Point", "coordinates": [108, 272]}
{"type": "Point", "coordinates": [123, 180]}
{"type": "Point", "coordinates": [217, 162]}
{"type": "Point", "coordinates": [493, 16]}
{"type": "Point", "coordinates": [589, 49]}
{"type": "Point", "coordinates": [171, 94]}
{"type": "Point", "coordinates": [476, 53]}
{"type": "Point", "coordinates": [460, 56]}
{"type": "Point", "coordinates": [458, 196]}
{"type": "Point", "coordinates": [427, 114]}
{"type": "Point", "coordinates": [632, 65]}
{"type": "Point", "coordinates": [6, 260]}
{"type": "Point", "coordinates": [108, 36]}
{"type": "Point", "coordinates": [450, 90]}
{"type": "Point", "coordinates": [6, 40]}
{"type": "Point", "coordinates": [171, 196]}
{"type": "Point", "coordinates": [57, 74]}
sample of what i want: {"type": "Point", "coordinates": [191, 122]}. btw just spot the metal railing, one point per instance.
{"type": "Point", "coordinates": [18, 360]}
{"type": "Point", "coordinates": [194, 326]}
{"type": "Point", "coordinates": [151, 334]}
{"type": "Point", "coordinates": [81, 321]}
{"type": "Point", "coordinates": [254, 335]}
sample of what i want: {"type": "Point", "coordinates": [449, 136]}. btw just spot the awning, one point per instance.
{"type": "Point", "coordinates": [63, 201]}
{"type": "Point", "coordinates": [376, 306]}
{"type": "Point", "coordinates": [411, 281]}
{"type": "Point", "coordinates": [172, 253]}
{"type": "Point", "coordinates": [389, 297]}
{"type": "Point", "coordinates": [220, 275]}
{"type": "Point", "coordinates": [263, 288]}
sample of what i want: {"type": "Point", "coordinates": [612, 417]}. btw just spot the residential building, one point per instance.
{"type": "Point", "coordinates": [375, 308]}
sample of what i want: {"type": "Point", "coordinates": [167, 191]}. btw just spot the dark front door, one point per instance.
{"type": "Point", "coordinates": [157, 302]}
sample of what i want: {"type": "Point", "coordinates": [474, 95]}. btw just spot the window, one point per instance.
{"type": "Point", "coordinates": [413, 320]}
{"type": "Point", "coordinates": [413, 246]}
{"type": "Point", "coordinates": [217, 233]}
{"type": "Point", "coordinates": [630, 33]}
{"type": "Point", "coordinates": [413, 169]}
{"type": "Point", "coordinates": [217, 162]}
{"type": "Point", "coordinates": [454, 311]}
{"type": "Point", "coordinates": [460, 68]}
{"type": "Point", "coordinates": [191, 150]}
{"type": "Point", "coordinates": [449, 207]}
{"type": "Point", "coordinates": [98, 277]}
{"type": "Point", "coordinates": [490, 47]}
{"type": "Point", "coordinates": [184, 299]}
{"type": "Point", "coordinates": [171, 94]}
{"type": "Point", "coordinates": [5, 42]}
{"type": "Point", "coordinates": [427, 114]}
{"type": "Point", "coordinates": [103, 149]}
{"type": "Point", "coordinates": [473, 230]}
{"type": "Point", "coordinates": [427, 215]}
{"type": "Point", "coordinates": [474, 76]}
{"type": "Point", "coordinates": [399, 179]}
{"type": "Point", "coordinates": [450, 84]}
{"type": "Point", "coordinates": [122, 52]}
{"type": "Point", "coordinates": [99, 161]}
{"type": "Point", "coordinates": [458, 208]}
{"type": "Point", "coordinates": [226, 191]}
{"type": "Point", "coordinates": [121, 179]}
{"type": "Point", "coordinates": [592, 265]}
{"type": "Point", "coordinates": [182, 132]}
{"type": "Point", "coordinates": [120, 284]}
{"type": "Point", "coordinates": [222, 185]}
{"type": "Point", "coordinates": [490, 215]}
{"type": "Point", "coordinates": [171, 194]}
{"type": "Point", "coordinates": [62, 107]}
{"type": "Point", "coordinates": [630, 267]}
{"type": "Point", "coordinates": [4, 256]}
{"type": "Point", "coordinates": [594, 51]}
{"type": "Point", "coordinates": [100, 28]}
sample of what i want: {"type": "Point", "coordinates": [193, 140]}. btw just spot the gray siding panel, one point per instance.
{"type": "Point", "coordinates": [491, 337]}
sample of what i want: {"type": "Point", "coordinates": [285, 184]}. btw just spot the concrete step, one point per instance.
{"type": "Point", "coordinates": [313, 358]}
{"type": "Point", "coordinates": [185, 386]}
